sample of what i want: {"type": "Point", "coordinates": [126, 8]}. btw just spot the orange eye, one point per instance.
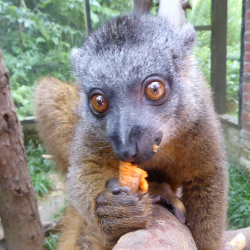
{"type": "Point", "coordinates": [98, 103]}
{"type": "Point", "coordinates": [155, 91]}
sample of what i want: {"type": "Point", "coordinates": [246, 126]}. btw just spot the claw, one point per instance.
{"type": "Point", "coordinates": [126, 190]}
{"type": "Point", "coordinates": [113, 186]}
{"type": "Point", "coordinates": [163, 201]}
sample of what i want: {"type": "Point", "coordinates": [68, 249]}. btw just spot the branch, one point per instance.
{"type": "Point", "coordinates": [36, 8]}
{"type": "Point", "coordinates": [234, 240]}
{"type": "Point", "coordinates": [163, 232]}
{"type": "Point", "coordinates": [166, 232]}
{"type": "Point", "coordinates": [173, 10]}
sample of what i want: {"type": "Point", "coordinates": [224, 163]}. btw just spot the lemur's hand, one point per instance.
{"type": "Point", "coordinates": [120, 212]}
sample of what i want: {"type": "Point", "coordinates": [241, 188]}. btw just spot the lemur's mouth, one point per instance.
{"type": "Point", "coordinates": [137, 151]}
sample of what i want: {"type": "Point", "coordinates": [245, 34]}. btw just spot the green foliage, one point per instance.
{"type": "Point", "coordinates": [239, 199]}
{"type": "Point", "coordinates": [200, 15]}
{"type": "Point", "coordinates": [234, 22]}
{"type": "Point", "coordinates": [233, 79]}
{"type": "Point", "coordinates": [51, 241]}
{"type": "Point", "coordinates": [203, 56]}
{"type": "Point", "coordinates": [60, 212]}
{"type": "Point", "coordinates": [36, 37]}
{"type": "Point", "coordinates": [39, 168]}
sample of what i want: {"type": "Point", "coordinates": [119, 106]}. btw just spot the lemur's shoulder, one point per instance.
{"type": "Point", "coordinates": [56, 104]}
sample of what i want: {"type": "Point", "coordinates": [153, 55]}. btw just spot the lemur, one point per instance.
{"type": "Point", "coordinates": [137, 84]}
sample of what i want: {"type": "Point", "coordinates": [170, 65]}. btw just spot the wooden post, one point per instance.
{"type": "Point", "coordinates": [18, 207]}
{"type": "Point", "coordinates": [143, 5]}
{"type": "Point", "coordinates": [242, 60]}
{"type": "Point", "coordinates": [219, 54]}
{"type": "Point", "coordinates": [87, 16]}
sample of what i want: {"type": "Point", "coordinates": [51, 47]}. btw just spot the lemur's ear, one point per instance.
{"type": "Point", "coordinates": [187, 36]}
{"type": "Point", "coordinates": [76, 55]}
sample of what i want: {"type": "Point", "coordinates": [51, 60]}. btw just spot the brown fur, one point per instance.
{"type": "Point", "coordinates": [202, 190]}
{"type": "Point", "coordinates": [56, 116]}
{"type": "Point", "coordinates": [115, 60]}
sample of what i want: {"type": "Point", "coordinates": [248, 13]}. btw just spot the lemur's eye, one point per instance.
{"type": "Point", "coordinates": [98, 103]}
{"type": "Point", "coordinates": [155, 90]}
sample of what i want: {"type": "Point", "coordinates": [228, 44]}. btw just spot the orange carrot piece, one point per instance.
{"type": "Point", "coordinates": [155, 147]}
{"type": "Point", "coordinates": [132, 177]}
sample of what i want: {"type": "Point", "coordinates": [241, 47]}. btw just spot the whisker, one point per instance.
{"type": "Point", "coordinates": [107, 155]}
{"type": "Point", "coordinates": [105, 147]}
{"type": "Point", "coordinates": [95, 141]}
{"type": "Point", "coordinates": [164, 158]}
{"type": "Point", "coordinates": [169, 156]}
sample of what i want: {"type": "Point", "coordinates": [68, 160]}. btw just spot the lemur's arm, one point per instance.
{"type": "Point", "coordinates": [206, 209]}
{"type": "Point", "coordinates": [97, 207]}
{"type": "Point", "coordinates": [101, 207]}
{"type": "Point", "coordinates": [56, 116]}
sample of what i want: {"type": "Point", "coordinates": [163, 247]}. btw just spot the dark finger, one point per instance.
{"type": "Point", "coordinates": [115, 226]}
{"type": "Point", "coordinates": [122, 199]}
{"type": "Point", "coordinates": [165, 202]}
{"type": "Point", "coordinates": [126, 190]}
{"type": "Point", "coordinates": [179, 215]}
{"type": "Point", "coordinates": [160, 199]}
{"type": "Point", "coordinates": [120, 211]}
{"type": "Point", "coordinates": [113, 186]}
{"type": "Point", "coordinates": [111, 241]}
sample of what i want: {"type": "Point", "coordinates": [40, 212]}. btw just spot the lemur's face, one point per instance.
{"type": "Point", "coordinates": [132, 116]}
{"type": "Point", "coordinates": [131, 85]}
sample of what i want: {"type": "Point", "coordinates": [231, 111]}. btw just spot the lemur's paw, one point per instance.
{"type": "Point", "coordinates": [120, 212]}
{"type": "Point", "coordinates": [177, 207]}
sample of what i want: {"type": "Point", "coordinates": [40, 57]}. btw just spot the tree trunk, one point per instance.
{"type": "Point", "coordinates": [173, 10]}
{"type": "Point", "coordinates": [142, 5]}
{"type": "Point", "coordinates": [18, 207]}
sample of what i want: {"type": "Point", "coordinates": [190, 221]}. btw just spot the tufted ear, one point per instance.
{"type": "Point", "coordinates": [187, 36]}
{"type": "Point", "coordinates": [74, 52]}
{"type": "Point", "coordinates": [76, 55]}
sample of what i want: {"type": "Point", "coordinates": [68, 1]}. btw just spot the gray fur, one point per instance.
{"type": "Point", "coordinates": [117, 59]}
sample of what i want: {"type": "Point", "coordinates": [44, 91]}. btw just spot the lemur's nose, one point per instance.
{"type": "Point", "coordinates": [128, 154]}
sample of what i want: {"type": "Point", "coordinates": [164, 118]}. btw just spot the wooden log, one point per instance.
{"type": "Point", "coordinates": [237, 243]}
{"type": "Point", "coordinates": [164, 232]}
{"type": "Point", "coordinates": [236, 236]}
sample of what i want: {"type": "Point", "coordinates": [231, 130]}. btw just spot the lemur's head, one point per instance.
{"type": "Point", "coordinates": [136, 79]}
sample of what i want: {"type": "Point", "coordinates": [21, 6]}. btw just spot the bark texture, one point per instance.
{"type": "Point", "coordinates": [18, 207]}
{"type": "Point", "coordinates": [164, 232]}
{"type": "Point", "coordinates": [143, 5]}
{"type": "Point", "coordinates": [229, 235]}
